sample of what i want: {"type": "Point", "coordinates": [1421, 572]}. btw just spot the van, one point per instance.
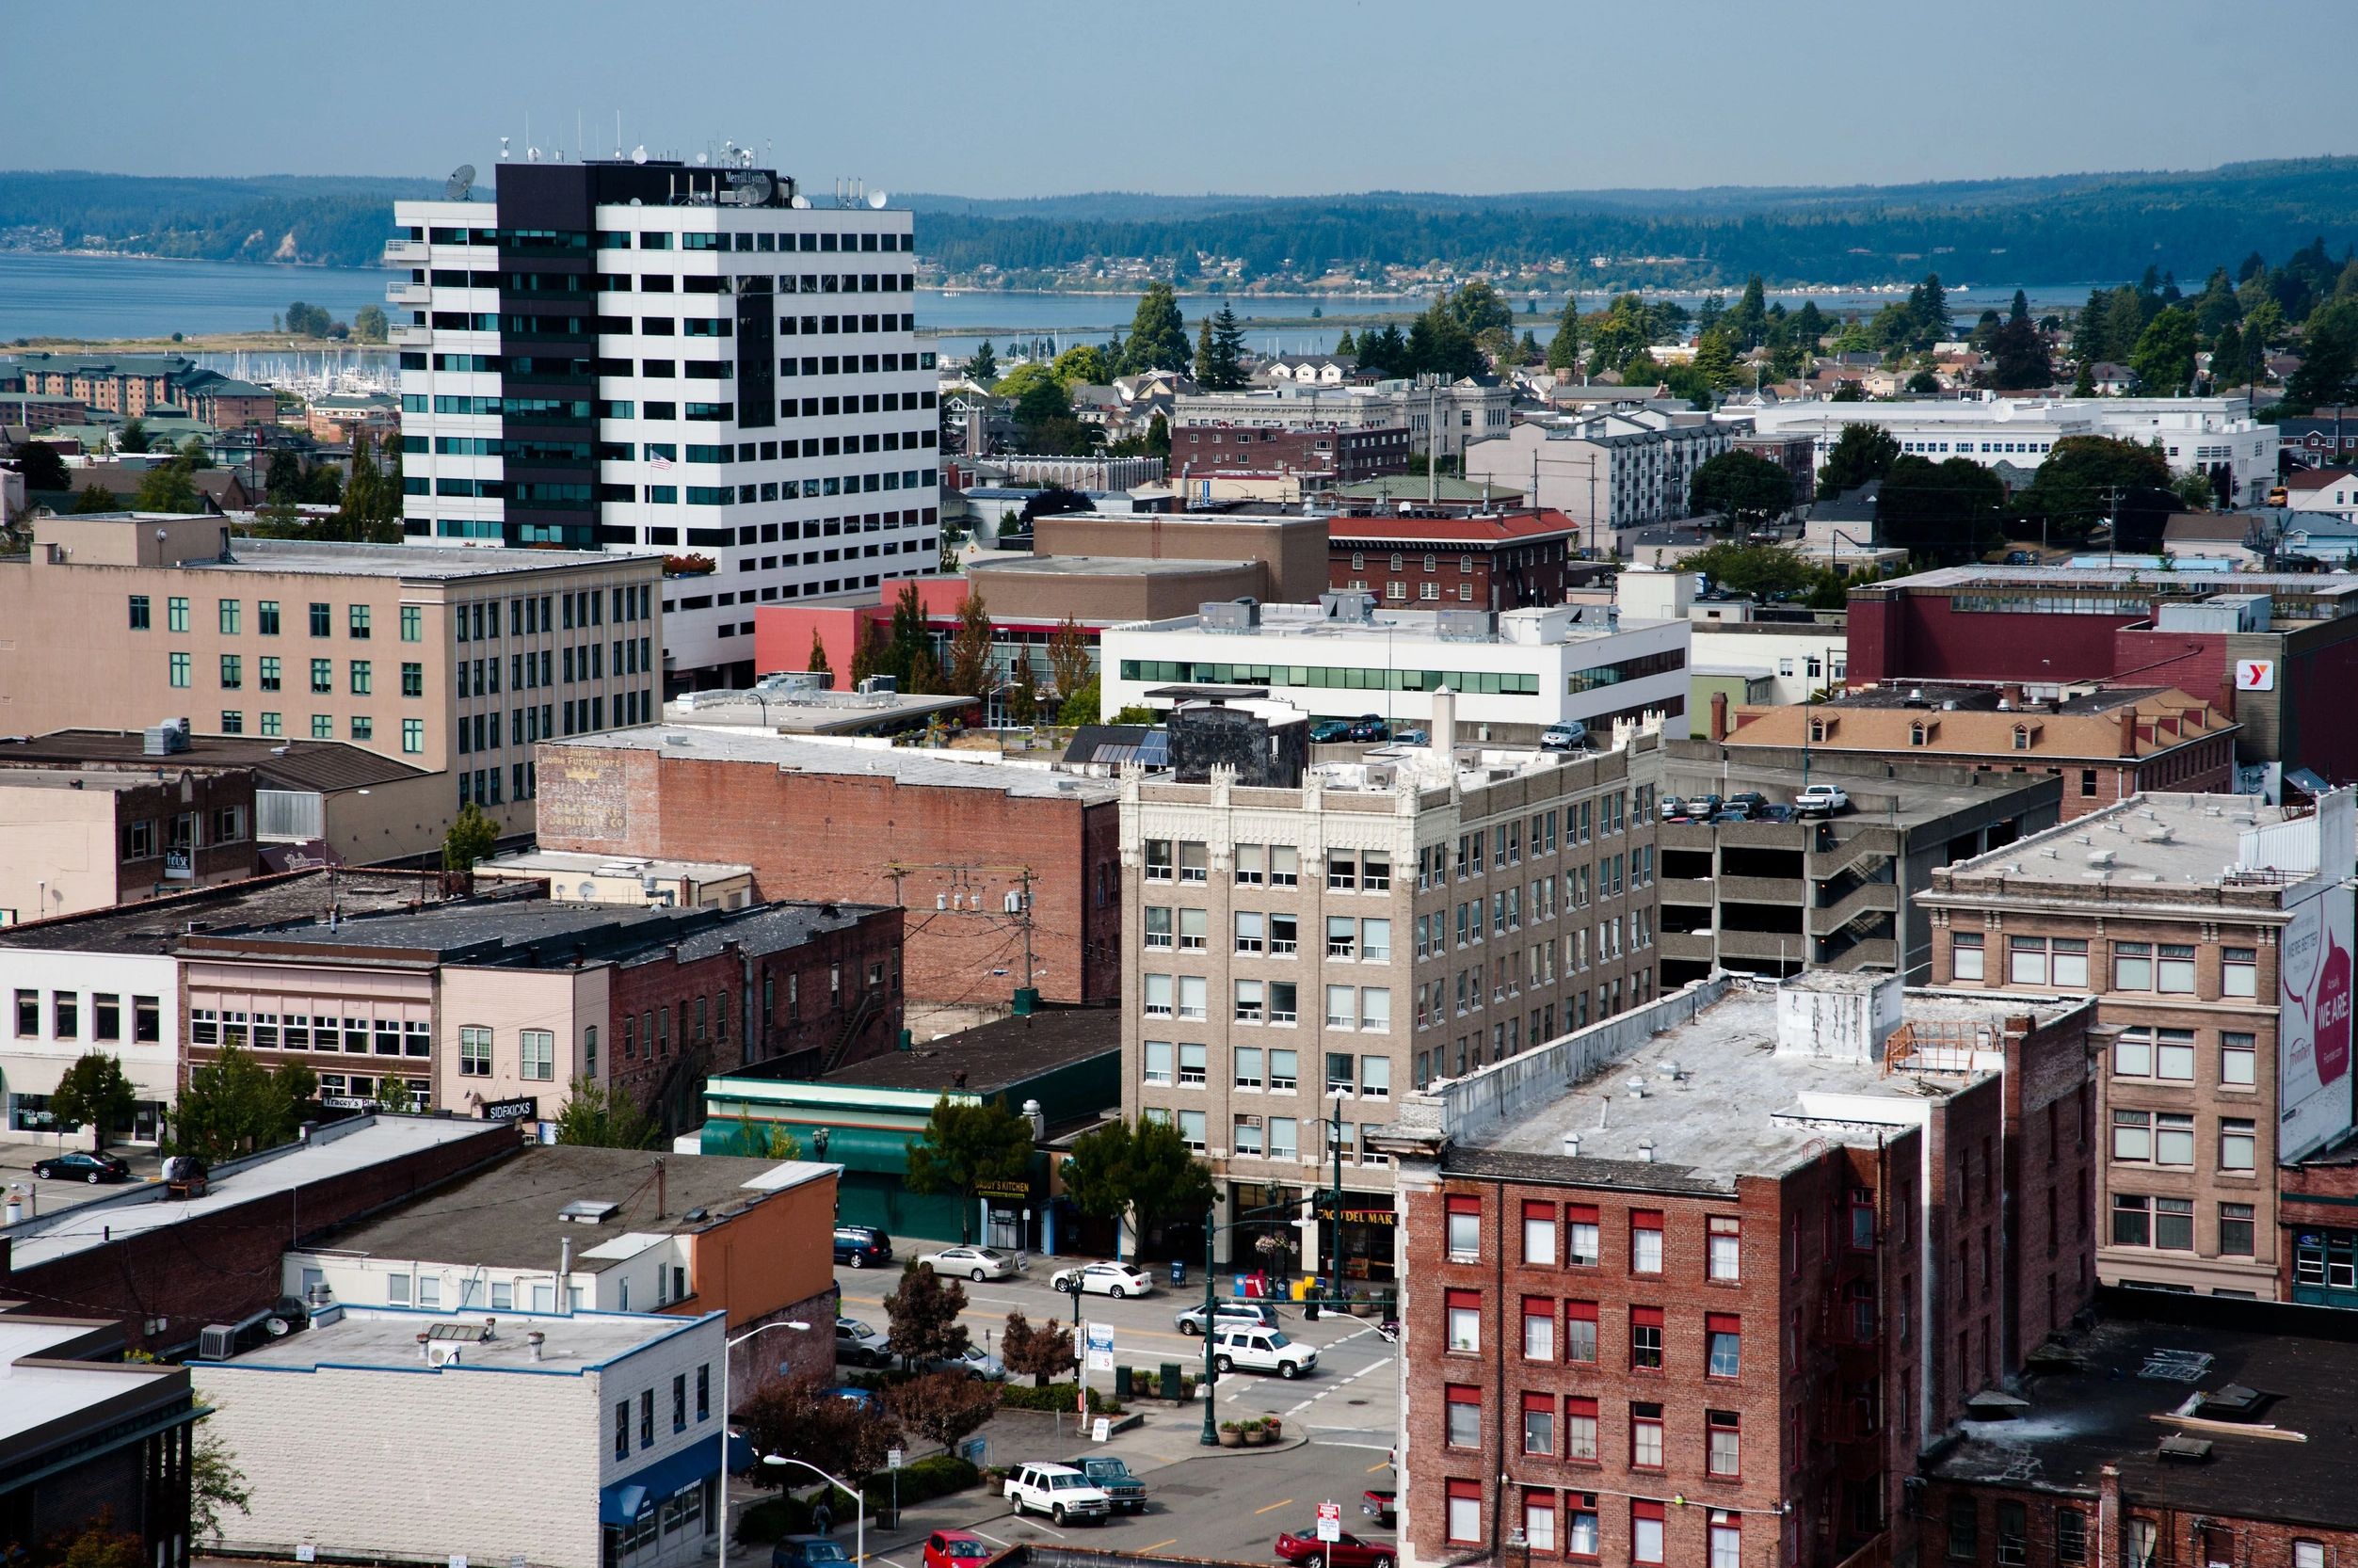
{"type": "Point", "coordinates": [1262, 1350]}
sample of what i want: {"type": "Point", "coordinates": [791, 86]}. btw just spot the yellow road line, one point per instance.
{"type": "Point", "coordinates": [1379, 1465]}
{"type": "Point", "coordinates": [1160, 1544]}
{"type": "Point", "coordinates": [1272, 1508]}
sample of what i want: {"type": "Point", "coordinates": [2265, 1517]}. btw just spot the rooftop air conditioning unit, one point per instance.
{"type": "Point", "coordinates": [219, 1342]}
{"type": "Point", "coordinates": [885, 685]}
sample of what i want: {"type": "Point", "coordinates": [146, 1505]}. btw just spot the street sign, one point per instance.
{"type": "Point", "coordinates": [1100, 1348]}
{"type": "Point", "coordinates": [1330, 1521]}
{"type": "Point", "coordinates": [893, 1459]}
{"type": "Point", "coordinates": [1102, 1430]}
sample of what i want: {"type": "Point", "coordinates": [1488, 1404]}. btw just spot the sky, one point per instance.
{"type": "Point", "coordinates": [1294, 97]}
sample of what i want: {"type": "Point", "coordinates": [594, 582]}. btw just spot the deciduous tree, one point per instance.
{"type": "Point", "coordinates": [93, 1093]}
{"type": "Point", "coordinates": [1757, 569]}
{"type": "Point", "coordinates": [95, 497]}
{"type": "Point", "coordinates": [1143, 1170]}
{"type": "Point", "coordinates": [1743, 487]}
{"type": "Point", "coordinates": [2164, 357]}
{"type": "Point", "coordinates": [1947, 511]}
{"type": "Point", "coordinates": [1043, 1351]}
{"type": "Point", "coordinates": [2079, 482]}
{"type": "Point", "coordinates": [944, 1407]}
{"type": "Point", "coordinates": [472, 837]}
{"type": "Point", "coordinates": [816, 662]}
{"type": "Point", "coordinates": [599, 1118]}
{"type": "Point", "coordinates": [966, 1144]}
{"type": "Point", "coordinates": [234, 1105]}
{"type": "Point", "coordinates": [1068, 658]}
{"type": "Point", "coordinates": [800, 1419]}
{"type": "Point", "coordinates": [167, 489]}
{"type": "Point", "coordinates": [925, 1309]}
{"type": "Point", "coordinates": [1861, 452]}
{"type": "Point", "coordinates": [970, 673]}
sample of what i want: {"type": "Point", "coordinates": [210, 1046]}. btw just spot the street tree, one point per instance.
{"type": "Point", "coordinates": [1024, 689]}
{"type": "Point", "coordinates": [966, 1144]}
{"type": "Point", "coordinates": [971, 648]}
{"type": "Point", "coordinates": [1144, 1170]}
{"type": "Point", "coordinates": [1068, 658]}
{"type": "Point", "coordinates": [816, 662]}
{"type": "Point", "coordinates": [1863, 452]}
{"type": "Point", "coordinates": [93, 1093]}
{"type": "Point", "coordinates": [1042, 1351]}
{"type": "Point", "coordinates": [234, 1105]}
{"type": "Point", "coordinates": [924, 1309]}
{"type": "Point", "coordinates": [1742, 488]}
{"type": "Point", "coordinates": [803, 1418]}
{"type": "Point", "coordinates": [944, 1407]}
{"type": "Point", "coordinates": [1081, 705]}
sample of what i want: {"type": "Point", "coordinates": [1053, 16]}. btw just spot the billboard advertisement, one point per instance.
{"type": "Point", "coordinates": [2313, 1032]}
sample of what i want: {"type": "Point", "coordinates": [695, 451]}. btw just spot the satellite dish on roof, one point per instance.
{"type": "Point", "coordinates": [462, 180]}
{"type": "Point", "coordinates": [802, 203]}
{"type": "Point", "coordinates": [638, 153]}
{"type": "Point", "coordinates": [876, 198]}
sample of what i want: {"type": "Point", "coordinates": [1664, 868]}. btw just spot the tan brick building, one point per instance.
{"type": "Point", "coordinates": [2105, 745]}
{"type": "Point", "coordinates": [451, 660]}
{"type": "Point", "coordinates": [2219, 956]}
{"type": "Point", "coordinates": [1308, 951]}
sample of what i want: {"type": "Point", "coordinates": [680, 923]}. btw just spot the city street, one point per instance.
{"type": "Point", "coordinates": [16, 1169]}
{"type": "Point", "coordinates": [1216, 1503]}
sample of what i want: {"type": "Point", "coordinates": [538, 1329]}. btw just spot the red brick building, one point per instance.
{"type": "Point", "coordinates": [2172, 1432]}
{"type": "Point", "coordinates": [1331, 453]}
{"type": "Point", "coordinates": [1706, 1308]}
{"type": "Point", "coordinates": [1504, 561]}
{"type": "Point", "coordinates": [951, 839]}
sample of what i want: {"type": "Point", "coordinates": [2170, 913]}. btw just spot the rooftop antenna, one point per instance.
{"type": "Point", "coordinates": [502, 150]}
{"type": "Point", "coordinates": [617, 136]}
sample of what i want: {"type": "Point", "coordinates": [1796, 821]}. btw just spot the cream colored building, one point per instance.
{"type": "Point", "coordinates": [453, 661]}
{"type": "Point", "coordinates": [1302, 955]}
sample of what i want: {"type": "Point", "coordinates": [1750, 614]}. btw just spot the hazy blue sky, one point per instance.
{"type": "Point", "coordinates": [1035, 97]}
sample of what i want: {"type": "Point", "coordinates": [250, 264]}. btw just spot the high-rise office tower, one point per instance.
{"type": "Point", "coordinates": [671, 358]}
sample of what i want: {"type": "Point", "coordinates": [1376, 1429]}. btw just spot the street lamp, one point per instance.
{"type": "Point", "coordinates": [859, 1505]}
{"type": "Point", "coordinates": [727, 1411]}
{"type": "Point", "coordinates": [1210, 1438]}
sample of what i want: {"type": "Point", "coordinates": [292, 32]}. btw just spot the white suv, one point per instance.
{"type": "Point", "coordinates": [1058, 1491]}
{"type": "Point", "coordinates": [1262, 1350]}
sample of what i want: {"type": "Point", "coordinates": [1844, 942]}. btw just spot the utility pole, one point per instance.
{"type": "Point", "coordinates": [1433, 442]}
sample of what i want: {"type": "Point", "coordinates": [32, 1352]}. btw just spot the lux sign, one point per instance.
{"type": "Point", "coordinates": [2255, 675]}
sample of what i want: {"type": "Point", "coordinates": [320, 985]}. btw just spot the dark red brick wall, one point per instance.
{"type": "Point", "coordinates": [221, 1265]}
{"type": "Point", "coordinates": [2050, 1169]}
{"type": "Point", "coordinates": [812, 835]}
{"type": "Point", "coordinates": [2194, 661]}
{"type": "Point", "coordinates": [1918, 636]}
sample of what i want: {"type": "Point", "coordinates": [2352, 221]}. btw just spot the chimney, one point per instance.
{"type": "Point", "coordinates": [1444, 723]}
{"type": "Point", "coordinates": [2128, 730]}
{"type": "Point", "coordinates": [2108, 1525]}
{"type": "Point", "coordinates": [662, 1188]}
{"type": "Point", "coordinates": [1718, 715]}
{"type": "Point", "coordinates": [2010, 695]}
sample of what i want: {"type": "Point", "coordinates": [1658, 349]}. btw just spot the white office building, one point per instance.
{"type": "Point", "coordinates": [2196, 434]}
{"type": "Point", "coordinates": [1514, 673]}
{"type": "Point", "coordinates": [675, 359]}
{"type": "Point", "coordinates": [584, 1440]}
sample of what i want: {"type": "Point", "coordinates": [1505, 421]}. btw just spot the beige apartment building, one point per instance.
{"type": "Point", "coordinates": [452, 661]}
{"type": "Point", "coordinates": [2214, 932]}
{"type": "Point", "coordinates": [1308, 943]}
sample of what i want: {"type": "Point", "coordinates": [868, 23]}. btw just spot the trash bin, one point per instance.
{"type": "Point", "coordinates": [1124, 1385]}
{"type": "Point", "coordinates": [1171, 1385]}
{"type": "Point", "coordinates": [1179, 1271]}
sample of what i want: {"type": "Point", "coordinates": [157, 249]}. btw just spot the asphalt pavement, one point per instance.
{"type": "Point", "coordinates": [16, 1170]}
{"type": "Point", "coordinates": [1203, 1502]}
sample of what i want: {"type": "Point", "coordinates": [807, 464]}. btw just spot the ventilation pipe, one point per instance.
{"type": "Point", "coordinates": [564, 1276]}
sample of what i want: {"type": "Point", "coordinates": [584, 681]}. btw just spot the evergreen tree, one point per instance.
{"type": "Point", "coordinates": [2226, 356]}
{"type": "Point", "coordinates": [1344, 347]}
{"type": "Point", "coordinates": [95, 497]}
{"type": "Point", "coordinates": [2164, 357]}
{"type": "Point", "coordinates": [167, 489]}
{"type": "Point", "coordinates": [285, 478]}
{"type": "Point", "coordinates": [817, 663]}
{"type": "Point", "coordinates": [2091, 333]}
{"type": "Point", "coordinates": [983, 367]}
{"type": "Point", "coordinates": [1809, 325]}
{"type": "Point", "coordinates": [1227, 350]}
{"type": "Point", "coordinates": [2020, 308]}
{"type": "Point", "coordinates": [1747, 324]}
{"type": "Point", "coordinates": [1159, 436]}
{"type": "Point", "coordinates": [1714, 359]}
{"type": "Point", "coordinates": [1563, 349]}
{"type": "Point", "coordinates": [1157, 333]}
{"type": "Point", "coordinates": [2084, 383]}
{"type": "Point", "coordinates": [132, 436]}
{"type": "Point", "coordinates": [910, 639]}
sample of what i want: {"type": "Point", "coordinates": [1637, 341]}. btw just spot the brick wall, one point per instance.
{"type": "Point", "coordinates": [223, 1264]}
{"type": "Point", "coordinates": [820, 836]}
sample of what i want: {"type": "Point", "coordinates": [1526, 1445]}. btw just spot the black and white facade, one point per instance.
{"type": "Point", "coordinates": [675, 359]}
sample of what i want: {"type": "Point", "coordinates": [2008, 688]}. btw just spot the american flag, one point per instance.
{"type": "Point", "coordinates": [657, 460]}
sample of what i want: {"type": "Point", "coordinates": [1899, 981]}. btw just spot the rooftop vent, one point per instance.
{"type": "Point", "coordinates": [2184, 1449]}
{"type": "Point", "coordinates": [166, 738]}
{"type": "Point", "coordinates": [2235, 1403]}
{"type": "Point", "coordinates": [1645, 1151]}
{"type": "Point", "coordinates": [588, 1212]}
{"type": "Point", "coordinates": [2102, 856]}
{"type": "Point", "coordinates": [1572, 1146]}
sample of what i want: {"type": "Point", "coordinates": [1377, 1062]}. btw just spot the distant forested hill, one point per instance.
{"type": "Point", "coordinates": [2062, 229]}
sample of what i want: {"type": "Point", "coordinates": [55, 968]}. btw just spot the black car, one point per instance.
{"type": "Point", "coordinates": [1370, 727]}
{"type": "Point", "coordinates": [862, 1246]}
{"type": "Point", "coordinates": [1751, 800]}
{"type": "Point", "coordinates": [82, 1166]}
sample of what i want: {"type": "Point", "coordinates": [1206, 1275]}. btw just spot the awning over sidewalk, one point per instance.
{"type": "Point", "coordinates": [622, 1502]}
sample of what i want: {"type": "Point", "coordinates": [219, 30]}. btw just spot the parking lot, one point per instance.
{"type": "Point", "coordinates": [16, 1170]}
{"type": "Point", "coordinates": [1223, 1503]}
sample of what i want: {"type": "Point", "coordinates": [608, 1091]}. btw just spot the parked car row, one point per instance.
{"type": "Point", "coordinates": [1367, 728]}
{"type": "Point", "coordinates": [863, 1345]}
{"type": "Point", "coordinates": [1818, 800]}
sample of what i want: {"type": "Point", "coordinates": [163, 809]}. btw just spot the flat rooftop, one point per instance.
{"type": "Point", "coordinates": [2151, 842]}
{"type": "Point", "coordinates": [33, 1397]}
{"type": "Point", "coordinates": [986, 1059]}
{"type": "Point", "coordinates": [553, 863]}
{"type": "Point", "coordinates": [2051, 581]}
{"type": "Point", "coordinates": [333, 1150]}
{"type": "Point", "coordinates": [1737, 1104]}
{"type": "Point", "coordinates": [1016, 563]}
{"type": "Point", "coordinates": [808, 712]}
{"type": "Point", "coordinates": [1877, 800]}
{"type": "Point", "coordinates": [1408, 628]}
{"type": "Point", "coordinates": [905, 765]}
{"type": "Point", "coordinates": [505, 1215]}
{"type": "Point", "coordinates": [386, 1339]}
{"type": "Point", "coordinates": [289, 898]}
{"type": "Point", "coordinates": [417, 562]}
{"type": "Point", "coordinates": [326, 766]}
{"type": "Point", "coordinates": [2111, 1394]}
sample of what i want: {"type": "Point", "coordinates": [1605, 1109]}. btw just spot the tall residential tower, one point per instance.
{"type": "Point", "coordinates": [660, 358]}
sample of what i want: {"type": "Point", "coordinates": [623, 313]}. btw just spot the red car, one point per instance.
{"type": "Point", "coordinates": [1308, 1551]}
{"type": "Point", "coordinates": [955, 1549]}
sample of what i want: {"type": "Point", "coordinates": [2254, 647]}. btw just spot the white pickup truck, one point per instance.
{"type": "Point", "coordinates": [1820, 800]}
{"type": "Point", "coordinates": [1058, 1491]}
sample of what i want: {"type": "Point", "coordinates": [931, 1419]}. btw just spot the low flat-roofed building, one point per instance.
{"type": "Point", "coordinates": [1647, 1252]}
{"type": "Point", "coordinates": [90, 1442]}
{"type": "Point", "coordinates": [633, 881]}
{"type": "Point", "coordinates": [77, 839]}
{"type": "Point", "coordinates": [622, 1230]}
{"type": "Point", "coordinates": [624, 1463]}
{"type": "Point", "coordinates": [1026, 583]}
{"type": "Point", "coordinates": [2165, 1430]}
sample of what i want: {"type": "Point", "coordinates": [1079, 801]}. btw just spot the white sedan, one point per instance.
{"type": "Point", "coordinates": [1103, 1279]}
{"type": "Point", "coordinates": [975, 1263]}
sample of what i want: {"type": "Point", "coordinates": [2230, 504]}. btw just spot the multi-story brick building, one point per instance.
{"type": "Point", "coordinates": [132, 385]}
{"type": "Point", "coordinates": [1309, 947]}
{"type": "Point", "coordinates": [1704, 1304]}
{"type": "Point", "coordinates": [2106, 744]}
{"type": "Point", "coordinates": [1440, 416]}
{"type": "Point", "coordinates": [77, 839]}
{"type": "Point", "coordinates": [2168, 1433]}
{"type": "Point", "coordinates": [961, 838]}
{"type": "Point", "coordinates": [449, 661]}
{"type": "Point", "coordinates": [1317, 457]}
{"type": "Point", "coordinates": [1508, 559]}
{"type": "Point", "coordinates": [2215, 932]}
{"type": "Point", "coordinates": [497, 1007]}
